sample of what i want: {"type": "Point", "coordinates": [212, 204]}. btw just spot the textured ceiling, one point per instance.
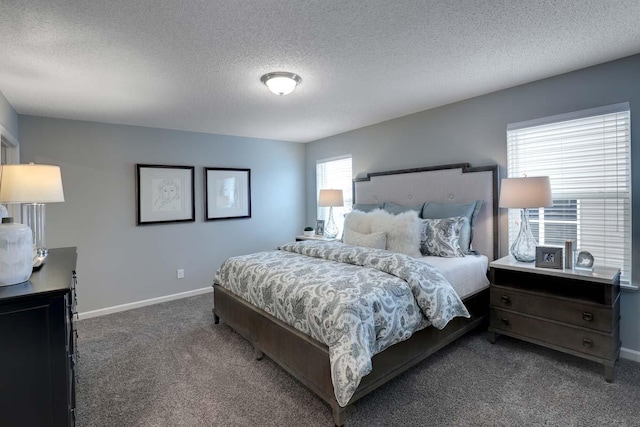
{"type": "Point", "coordinates": [196, 64]}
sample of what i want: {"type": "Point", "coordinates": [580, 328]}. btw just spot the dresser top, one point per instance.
{"type": "Point", "coordinates": [598, 275]}
{"type": "Point", "coordinates": [53, 277]}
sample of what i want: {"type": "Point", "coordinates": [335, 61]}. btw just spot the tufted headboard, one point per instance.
{"type": "Point", "coordinates": [456, 183]}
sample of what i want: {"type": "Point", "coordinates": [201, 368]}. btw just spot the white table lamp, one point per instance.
{"type": "Point", "coordinates": [525, 193]}
{"type": "Point", "coordinates": [33, 186]}
{"type": "Point", "coordinates": [330, 198]}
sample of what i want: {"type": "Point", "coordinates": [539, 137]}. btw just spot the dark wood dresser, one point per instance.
{"type": "Point", "coordinates": [38, 346]}
{"type": "Point", "coordinates": [573, 311]}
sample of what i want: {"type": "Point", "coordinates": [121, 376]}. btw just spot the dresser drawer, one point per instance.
{"type": "Point", "coordinates": [577, 339]}
{"type": "Point", "coordinates": [561, 309]}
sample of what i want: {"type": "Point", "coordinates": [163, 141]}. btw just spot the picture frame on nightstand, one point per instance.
{"type": "Point", "coordinates": [548, 257]}
{"type": "Point", "coordinates": [320, 227]}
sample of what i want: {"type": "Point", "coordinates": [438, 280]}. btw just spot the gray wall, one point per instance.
{"type": "Point", "coordinates": [474, 131]}
{"type": "Point", "coordinates": [120, 263]}
{"type": "Point", "coordinates": [8, 116]}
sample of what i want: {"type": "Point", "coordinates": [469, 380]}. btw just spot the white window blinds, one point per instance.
{"type": "Point", "coordinates": [587, 157]}
{"type": "Point", "coordinates": [335, 174]}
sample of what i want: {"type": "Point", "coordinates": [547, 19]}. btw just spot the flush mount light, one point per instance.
{"type": "Point", "coordinates": [281, 82]}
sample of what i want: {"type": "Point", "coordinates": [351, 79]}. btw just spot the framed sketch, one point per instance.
{"type": "Point", "coordinates": [227, 193]}
{"type": "Point", "coordinates": [548, 257]}
{"type": "Point", "coordinates": [320, 227]}
{"type": "Point", "coordinates": [165, 194]}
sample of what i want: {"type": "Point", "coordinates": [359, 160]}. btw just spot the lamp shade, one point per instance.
{"type": "Point", "coordinates": [330, 198]}
{"type": "Point", "coordinates": [31, 184]}
{"type": "Point", "coordinates": [528, 192]}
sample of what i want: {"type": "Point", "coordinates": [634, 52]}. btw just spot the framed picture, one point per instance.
{"type": "Point", "coordinates": [320, 227]}
{"type": "Point", "coordinates": [164, 194]}
{"type": "Point", "coordinates": [548, 257]}
{"type": "Point", "coordinates": [227, 193]}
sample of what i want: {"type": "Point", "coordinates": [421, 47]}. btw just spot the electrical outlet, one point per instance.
{"type": "Point", "coordinates": [180, 273]}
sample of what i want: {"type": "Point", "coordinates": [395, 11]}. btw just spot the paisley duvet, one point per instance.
{"type": "Point", "coordinates": [357, 301]}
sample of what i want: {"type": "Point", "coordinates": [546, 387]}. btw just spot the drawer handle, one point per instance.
{"type": "Point", "coordinates": [587, 343]}
{"type": "Point", "coordinates": [505, 321]}
{"type": "Point", "coordinates": [506, 299]}
{"type": "Point", "coordinates": [587, 316]}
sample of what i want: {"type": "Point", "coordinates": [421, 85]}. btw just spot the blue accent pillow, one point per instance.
{"type": "Point", "coordinates": [366, 208]}
{"type": "Point", "coordinates": [435, 210]}
{"type": "Point", "coordinates": [395, 209]}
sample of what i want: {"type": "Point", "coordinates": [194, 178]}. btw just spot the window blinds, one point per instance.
{"type": "Point", "coordinates": [587, 157]}
{"type": "Point", "coordinates": [335, 173]}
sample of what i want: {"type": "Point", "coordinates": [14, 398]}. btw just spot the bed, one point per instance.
{"type": "Point", "coordinates": [308, 359]}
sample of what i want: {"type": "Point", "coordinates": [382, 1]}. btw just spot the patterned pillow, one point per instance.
{"type": "Point", "coordinates": [434, 210]}
{"type": "Point", "coordinates": [441, 237]}
{"type": "Point", "coordinates": [372, 240]}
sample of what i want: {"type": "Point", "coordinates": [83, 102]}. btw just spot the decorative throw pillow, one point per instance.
{"type": "Point", "coordinates": [436, 210]}
{"type": "Point", "coordinates": [441, 237]}
{"type": "Point", "coordinates": [358, 221]}
{"type": "Point", "coordinates": [394, 208]}
{"type": "Point", "coordinates": [403, 231]}
{"type": "Point", "coordinates": [373, 240]}
{"type": "Point", "coordinates": [366, 208]}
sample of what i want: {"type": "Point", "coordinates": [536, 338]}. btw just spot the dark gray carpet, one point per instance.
{"type": "Point", "coordinates": [169, 365]}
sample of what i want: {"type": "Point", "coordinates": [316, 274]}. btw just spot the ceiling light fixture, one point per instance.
{"type": "Point", "coordinates": [281, 82]}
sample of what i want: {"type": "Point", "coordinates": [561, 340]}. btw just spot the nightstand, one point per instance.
{"type": "Point", "coordinates": [316, 237]}
{"type": "Point", "coordinates": [573, 311]}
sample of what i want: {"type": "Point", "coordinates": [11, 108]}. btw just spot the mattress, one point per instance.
{"type": "Point", "coordinates": [467, 275]}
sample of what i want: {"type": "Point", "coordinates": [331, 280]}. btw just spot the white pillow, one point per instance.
{"type": "Point", "coordinates": [373, 240]}
{"type": "Point", "coordinates": [358, 221]}
{"type": "Point", "coordinates": [403, 230]}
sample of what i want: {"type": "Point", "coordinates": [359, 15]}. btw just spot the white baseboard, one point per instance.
{"type": "Point", "coordinates": [627, 353]}
{"type": "Point", "coordinates": [137, 304]}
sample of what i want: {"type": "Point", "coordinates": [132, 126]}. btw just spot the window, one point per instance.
{"type": "Point", "coordinates": [335, 174]}
{"type": "Point", "coordinates": [587, 158]}
{"type": "Point", "coordinates": [552, 226]}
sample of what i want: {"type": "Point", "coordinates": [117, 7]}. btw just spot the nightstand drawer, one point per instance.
{"type": "Point", "coordinates": [556, 308]}
{"type": "Point", "coordinates": [573, 338]}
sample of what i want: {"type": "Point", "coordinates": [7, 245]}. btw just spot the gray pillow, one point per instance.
{"type": "Point", "coordinates": [395, 209]}
{"type": "Point", "coordinates": [366, 208]}
{"type": "Point", "coordinates": [441, 237]}
{"type": "Point", "coordinates": [435, 210]}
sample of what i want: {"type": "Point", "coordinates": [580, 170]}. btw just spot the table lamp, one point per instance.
{"type": "Point", "coordinates": [33, 186]}
{"type": "Point", "coordinates": [525, 193]}
{"type": "Point", "coordinates": [330, 198]}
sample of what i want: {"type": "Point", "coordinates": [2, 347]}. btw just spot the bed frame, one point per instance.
{"type": "Point", "coordinates": [308, 359]}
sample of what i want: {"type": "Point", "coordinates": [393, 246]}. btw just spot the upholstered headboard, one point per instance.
{"type": "Point", "coordinates": [457, 183]}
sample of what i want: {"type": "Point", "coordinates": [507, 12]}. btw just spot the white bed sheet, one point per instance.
{"type": "Point", "coordinates": [467, 274]}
